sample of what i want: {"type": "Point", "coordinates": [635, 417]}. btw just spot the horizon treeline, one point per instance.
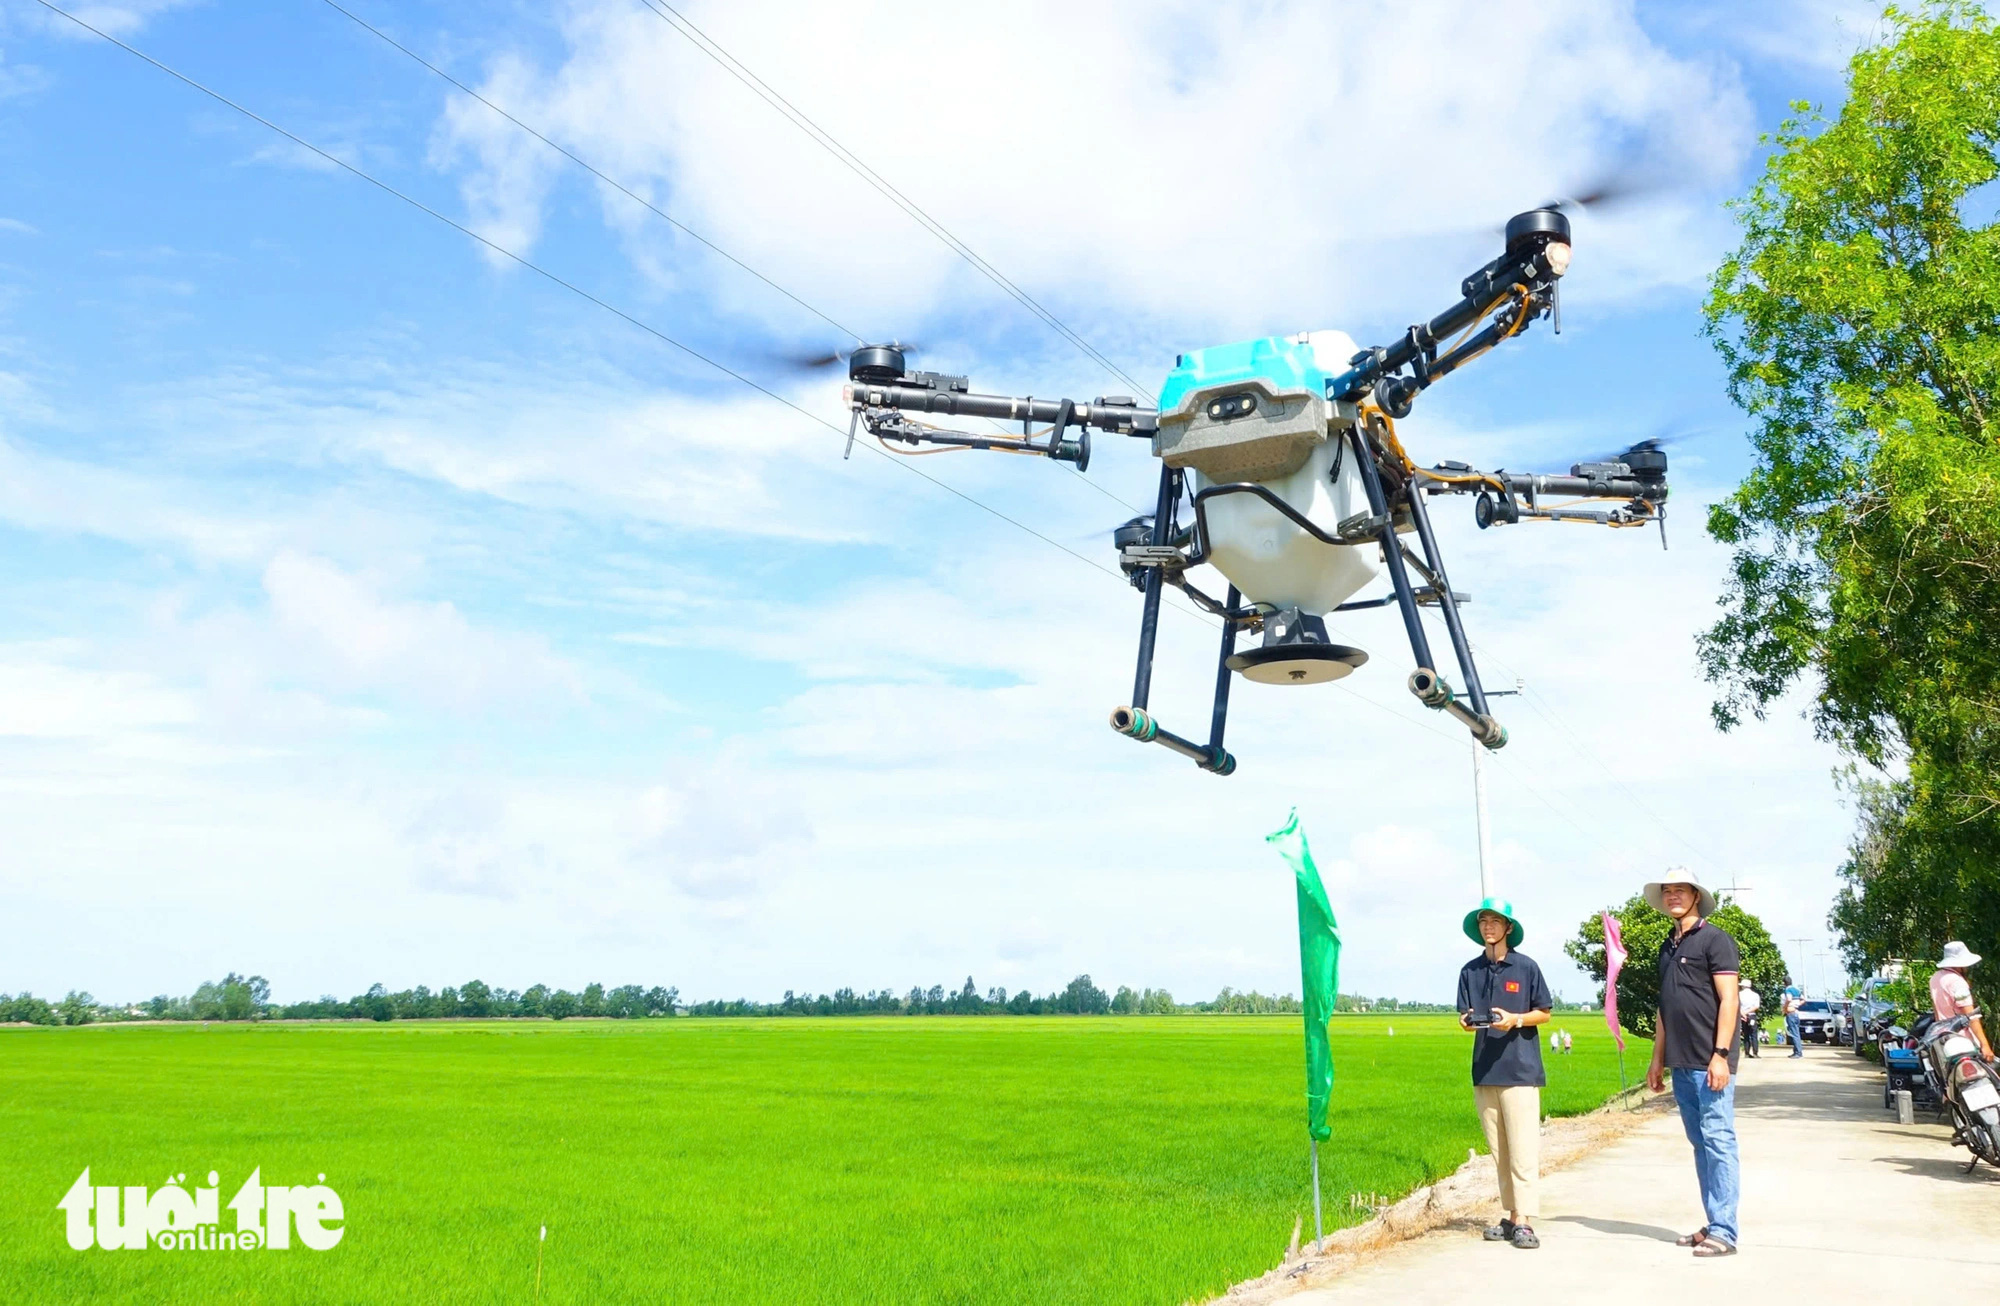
{"type": "Point", "coordinates": [245, 998]}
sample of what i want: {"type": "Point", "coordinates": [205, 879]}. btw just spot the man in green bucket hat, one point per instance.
{"type": "Point", "coordinates": [1502, 997]}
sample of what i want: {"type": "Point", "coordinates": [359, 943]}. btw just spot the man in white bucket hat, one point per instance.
{"type": "Point", "coordinates": [1696, 1039]}
{"type": "Point", "coordinates": [1951, 994]}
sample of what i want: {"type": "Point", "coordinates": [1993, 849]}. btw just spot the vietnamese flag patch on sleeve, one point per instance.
{"type": "Point", "coordinates": [1513, 986]}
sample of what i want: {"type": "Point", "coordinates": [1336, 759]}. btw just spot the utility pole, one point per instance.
{"type": "Point", "coordinates": [1479, 799]}
{"type": "Point", "coordinates": [1802, 941]}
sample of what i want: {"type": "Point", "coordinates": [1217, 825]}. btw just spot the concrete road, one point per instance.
{"type": "Point", "coordinates": [1840, 1204]}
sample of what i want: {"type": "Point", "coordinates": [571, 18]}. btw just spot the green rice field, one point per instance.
{"type": "Point", "coordinates": [1103, 1160]}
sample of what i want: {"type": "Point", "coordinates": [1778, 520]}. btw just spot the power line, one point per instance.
{"type": "Point", "coordinates": [612, 182]}
{"type": "Point", "coordinates": [667, 14]}
{"type": "Point", "coordinates": [570, 286]}
{"type": "Point", "coordinates": [664, 338]}
{"type": "Point", "coordinates": [641, 200]}
{"type": "Point", "coordinates": [1547, 711]}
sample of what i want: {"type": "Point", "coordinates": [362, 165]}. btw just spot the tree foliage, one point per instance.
{"type": "Point", "coordinates": [1860, 322]}
{"type": "Point", "coordinates": [237, 998]}
{"type": "Point", "coordinates": [1644, 930]}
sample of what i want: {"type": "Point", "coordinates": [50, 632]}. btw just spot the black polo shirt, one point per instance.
{"type": "Point", "coordinates": [1505, 1058]}
{"type": "Point", "coordinates": [1689, 1003]}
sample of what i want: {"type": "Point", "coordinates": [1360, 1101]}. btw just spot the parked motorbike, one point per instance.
{"type": "Point", "coordinates": [1904, 1069]}
{"type": "Point", "coordinates": [1966, 1086]}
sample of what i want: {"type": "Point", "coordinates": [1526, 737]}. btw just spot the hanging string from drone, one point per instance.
{"type": "Point", "coordinates": [1296, 486]}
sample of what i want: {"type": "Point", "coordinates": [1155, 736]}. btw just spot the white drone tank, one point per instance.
{"type": "Point", "coordinates": [1257, 413]}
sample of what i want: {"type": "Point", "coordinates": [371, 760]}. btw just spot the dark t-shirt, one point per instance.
{"type": "Point", "coordinates": [1505, 1058]}
{"type": "Point", "coordinates": [1689, 1004]}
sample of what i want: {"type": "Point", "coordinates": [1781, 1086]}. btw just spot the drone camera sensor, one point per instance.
{"type": "Point", "coordinates": [1232, 406]}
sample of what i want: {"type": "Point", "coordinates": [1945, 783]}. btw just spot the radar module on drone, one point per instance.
{"type": "Point", "coordinates": [1284, 455]}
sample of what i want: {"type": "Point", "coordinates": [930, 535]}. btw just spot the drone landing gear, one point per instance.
{"type": "Point", "coordinates": [1134, 721]}
{"type": "Point", "coordinates": [1430, 688]}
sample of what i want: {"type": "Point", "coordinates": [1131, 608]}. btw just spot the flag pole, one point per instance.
{"type": "Point", "coordinates": [1319, 993]}
{"type": "Point", "coordinates": [1319, 1236]}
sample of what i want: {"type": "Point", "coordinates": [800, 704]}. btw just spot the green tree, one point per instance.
{"type": "Point", "coordinates": [236, 999]}
{"type": "Point", "coordinates": [1645, 931]}
{"type": "Point", "coordinates": [1083, 998]}
{"type": "Point", "coordinates": [77, 1008]}
{"type": "Point", "coordinates": [26, 1008]}
{"type": "Point", "coordinates": [475, 999]}
{"type": "Point", "coordinates": [1860, 322]}
{"type": "Point", "coordinates": [561, 1005]}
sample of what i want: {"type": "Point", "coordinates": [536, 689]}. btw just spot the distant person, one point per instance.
{"type": "Point", "coordinates": [1749, 1003]}
{"type": "Point", "coordinates": [1501, 998]}
{"type": "Point", "coordinates": [1555, 1041]}
{"type": "Point", "coordinates": [1696, 1041]}
{"type": "Point", "coordinates": [1568, 1042]}
{"type": "Point", "coordinates": [1951, 992]}
{"type": "Point", "coordinates": [1792, 1001]}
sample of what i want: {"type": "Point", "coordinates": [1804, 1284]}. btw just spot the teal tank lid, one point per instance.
{"type": "Point", "coordinates": [1284, 362]}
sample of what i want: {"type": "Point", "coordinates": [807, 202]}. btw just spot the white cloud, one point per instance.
{"type": "Point", "coordinates": [913, 776]}
{"type": "Point", "coordinates": [48, 700]}
{"type": "Point", "coordinates": [18, 80]}
{"type": "Point", "coordinates": [1300, 158]}
{"type": "Point", "coordinates": [1816, 34]}
{"type": "Point", "coordinates": [720, 834]}
{"type": "Point", "coordinates": [66, 496]}
{"type": "Point", "coordinates": [742, 465]}
{"type": "Point", "coordinates": [116, 18]}
{"type": "Point", "coordinates": [463, 845]}
{"type": "Point", "coordinates": [339, 624]}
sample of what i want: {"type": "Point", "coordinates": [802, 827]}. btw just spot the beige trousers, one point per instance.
{"type": "Point", "coordinates": [1512, 1118]}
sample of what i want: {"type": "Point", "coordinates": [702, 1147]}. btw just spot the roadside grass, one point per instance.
{"type": "Point", "coordinates": [1103, 1160]}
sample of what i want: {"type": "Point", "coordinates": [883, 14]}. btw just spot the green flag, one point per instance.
{"type": "Point", "coordinates": [1319, 970]}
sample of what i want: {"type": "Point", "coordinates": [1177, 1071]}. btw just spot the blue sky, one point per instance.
{"type": "Point", "coordinates": [376, 610]}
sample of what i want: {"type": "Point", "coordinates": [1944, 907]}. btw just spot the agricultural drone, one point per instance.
{"type": "Point", "coordinates": [1284, 453]}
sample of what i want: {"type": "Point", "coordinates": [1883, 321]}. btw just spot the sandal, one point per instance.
{"type": "Point", "coordinates": [1695, 1239]}
{"type": "Point", "coordinates": [1524, 1237]}
{"type": "Point", "coordinates": [1501, 1232]}
{"type": "Point", "coordinates": [1714, 1247]}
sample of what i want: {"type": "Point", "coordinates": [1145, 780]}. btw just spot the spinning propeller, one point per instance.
{"type": "Point", "coordinates": [820, 360]}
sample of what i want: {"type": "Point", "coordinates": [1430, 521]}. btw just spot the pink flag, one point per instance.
{"type": "Point", "coordinates": [1614, 961]}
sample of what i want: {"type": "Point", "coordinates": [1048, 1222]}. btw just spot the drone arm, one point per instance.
{"type": "Point", "coordinates": [1528, 275]}
{"type": "Point", "coordinates": [1582, 487]}
{"type": "Point", "coordinates": [1105, 415]}
{"type": "Point", "coordinates": [1642, 492]}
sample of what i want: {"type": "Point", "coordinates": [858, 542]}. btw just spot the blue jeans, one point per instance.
{"type": "Point", "coordinates": [1792, 1033]}
{"type": "Point", "coordinates": [1710, 1120]}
